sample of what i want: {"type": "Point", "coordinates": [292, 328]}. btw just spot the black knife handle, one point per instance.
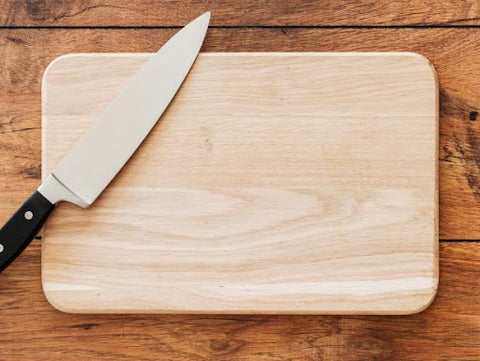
{"type": "Point", "coordinates": [19, 231]}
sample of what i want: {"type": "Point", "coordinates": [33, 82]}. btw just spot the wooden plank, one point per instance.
{"type": "Point", "coordinates": [447, 330]}
{"type": "Point", "coordinates": [238, 13]}
{"type": "Point", "coordinates": [261, 190]}
{"type": "Point", "coordinates": [454, 53]}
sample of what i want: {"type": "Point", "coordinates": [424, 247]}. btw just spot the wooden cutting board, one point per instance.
{"type": "Point", "coordinates": [274, 183]}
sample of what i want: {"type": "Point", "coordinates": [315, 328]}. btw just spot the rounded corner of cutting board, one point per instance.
{"type": "Point", "coordinates": [53, 298]}
{"type": "Point", "coordinates": [56, 304]}
{"type": "Point", "coordinates": [429, 68]}
{"type": "Point", "coordinates": [423, 302]}
{"type": "Point", "coordinates": [431, 75]}
{"type": "Point", "coordinates": [56, 62]}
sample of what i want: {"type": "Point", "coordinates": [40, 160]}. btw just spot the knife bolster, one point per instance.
{"type": "Point", "coordinates": [55, 192]}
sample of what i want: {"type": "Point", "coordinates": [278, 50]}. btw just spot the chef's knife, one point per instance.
{"type": "Point", "coordinates": [106, 146]}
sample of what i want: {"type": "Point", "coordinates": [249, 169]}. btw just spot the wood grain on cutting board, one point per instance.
{"type": "Point", "coordinates": [274, 183]}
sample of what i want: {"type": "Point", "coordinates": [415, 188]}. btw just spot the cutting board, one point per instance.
{"type": "Point", "coordinates": [274, 183]}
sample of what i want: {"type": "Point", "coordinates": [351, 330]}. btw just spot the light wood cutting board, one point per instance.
{"type": "Point", "coordinates": [274, 183]}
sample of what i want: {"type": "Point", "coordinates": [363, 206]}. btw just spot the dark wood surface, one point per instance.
{"type": "Point", "coordinates": [30, 329]}
{"type": "Point", "coordinates": [238, 13]}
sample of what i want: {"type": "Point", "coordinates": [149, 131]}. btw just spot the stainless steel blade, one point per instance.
{"type": "Point", "coordinates": [106, 146]}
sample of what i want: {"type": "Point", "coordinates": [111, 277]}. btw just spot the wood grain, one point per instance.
{"type": "Point", "coordinates": [447, 330]}
{"type": "Point", "coordinates": [271, 185]}
{"type": "Point", "coordinates": [238, 13]}
{"type": "Point", "coordinates": [26, 53]}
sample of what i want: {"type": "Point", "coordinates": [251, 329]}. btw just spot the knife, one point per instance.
{"type": "Point", "coordinates": [91, 164]}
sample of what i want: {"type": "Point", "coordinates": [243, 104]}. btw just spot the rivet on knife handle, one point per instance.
{"type": "Point", "coordinates": [20, 229]}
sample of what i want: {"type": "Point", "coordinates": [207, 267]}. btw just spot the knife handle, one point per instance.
{"type": "Point", "coordinates": [20, 229]}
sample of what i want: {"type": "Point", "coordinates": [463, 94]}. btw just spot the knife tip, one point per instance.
{"type": "Point", "coordinates": [206, 15]}
{"type": "Point", "coordinates": [201, 21]}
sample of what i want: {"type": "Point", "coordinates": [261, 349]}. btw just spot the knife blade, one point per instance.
{"type": "Point", "coordinates": [92, 163]}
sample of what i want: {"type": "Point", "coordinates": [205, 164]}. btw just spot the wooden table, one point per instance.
{"type": "Point", "coordinates": [35, 32]}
